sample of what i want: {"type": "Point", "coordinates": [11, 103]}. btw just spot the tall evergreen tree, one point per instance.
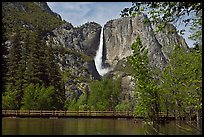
{"type": "Point", "coordinates": [54, 78]}
{"type": "Point", "coordinates": [4, 51]}
{"type": "Point", "coordinates": [32, 70]}
{"type": "Point", "coordinates": [14, 75]}
{"type": "Point", "coordinates": [41, 54]}
{"type": "Point", "coordinates": [42, 67]}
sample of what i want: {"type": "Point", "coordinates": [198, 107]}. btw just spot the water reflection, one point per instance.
{"type": "Point", "coordinates": [80, 126]}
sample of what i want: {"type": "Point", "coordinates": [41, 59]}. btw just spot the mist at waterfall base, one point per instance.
{"type": "Point", "coordinates": [98, 58]}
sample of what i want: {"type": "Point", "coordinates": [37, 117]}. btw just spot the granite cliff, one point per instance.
{"type": "Point", "coordinates": [119, 34]}
{"type": "Point", "coordinates": [80, 45]}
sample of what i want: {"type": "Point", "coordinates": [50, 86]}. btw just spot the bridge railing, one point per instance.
{"type": "Point", "coordinates": [72, 113]}
{"type": "Point", "coordinates": [64, 113]}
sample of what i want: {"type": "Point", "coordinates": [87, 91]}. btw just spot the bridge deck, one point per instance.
{"type": "Point", "coordinates": [58, 114]}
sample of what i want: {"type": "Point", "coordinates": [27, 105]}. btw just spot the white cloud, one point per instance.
{"type": "Point", "coordinates": [79, 13]}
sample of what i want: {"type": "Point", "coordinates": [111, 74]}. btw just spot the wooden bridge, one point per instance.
{"type": "Point", "coordinates": [61, 114]}
{"type": "Point", "coordinates": [64, 114]}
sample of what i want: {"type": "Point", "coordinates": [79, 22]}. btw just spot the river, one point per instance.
{"type": "Point", "coordinates": [89, 126]}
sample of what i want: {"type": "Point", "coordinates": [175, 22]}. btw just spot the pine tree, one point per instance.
{"type": "Point", "coordinates": [53, 73]}
{"type": "Point", "coordinates": [4, 54]}
{"type": "Point", "coordinates": [14, 75]}
{"type": "Point", "coordinates": [41, 54]}
{"type": "Point", "coordinates": [13, 59]}
{"type": "Point", "coordinates": [32, 71]}
{"type": "Point", "coordinates": [25, 57]}
{"type": "Point", "coordinates": [42, 67]}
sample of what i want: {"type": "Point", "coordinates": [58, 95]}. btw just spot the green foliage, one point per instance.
{"type": "Point", "coordinates": [38, 97]}
{"type": "Point", "coordinates": [104, 95]}
{"type": "Point", "coordinates": [124, 105]}
{"type": "Point", "coordinates": [124, 66]}
{"type": "Point", "coordinates": [15, 67]}
{"type": "Point", "coordinates": [146, 20]}
{"type": "Point", "coordinates": [29, 19]}
{"type": "Point", "coordinates": [196, 29]}
{"type": "Point", "coordinates": [9, 100]}
{"type": "Point", "coordinates": [78, 54]}
{"type": "Point", "coordinates": [74, 102]}
{"type": "Point", "coordinates": [45, 98]}
{"type": "Point", "coordinates": [98, 99]}
{"type": "Point", "coordinates": [132, 10]}
{"type": "Point", "coordinates": [177, 90]}
{"type": "Point", "coordinates": [182, 81]}
{"type": "Point", "coordinates": [4, 51]}
{"type": "Point", "coordinates": [13, 59]}
{"type": "Point", "coordinates": [71, 105]}
{"type": "Point", "coordinates": [83, 102]}
{"type": "Point", "coordinates": [30, 97]}
{"type": "Point", "coordinates": [32, 61]}
{"type": "Point", "coordinates": [146, 93]}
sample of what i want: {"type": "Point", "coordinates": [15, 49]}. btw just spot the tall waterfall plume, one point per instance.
{"type": "Point", "coordinates": [98, 58]}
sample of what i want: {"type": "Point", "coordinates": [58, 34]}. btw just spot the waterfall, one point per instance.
{"type": "Point", "coordinates": [98, 57]}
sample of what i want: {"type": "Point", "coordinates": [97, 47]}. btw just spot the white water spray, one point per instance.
{"type": "Point", "coordinates": [98, 58]}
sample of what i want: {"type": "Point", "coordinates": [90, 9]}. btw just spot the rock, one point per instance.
{"type": "Point", "coordinates": [128, 87]}
{"type": "Point", "coordinates": [119, 34]}
{"type": "Point", "coordinates": [83, 39]}
{"type": "Point", "coordinates": [81, 44]}
{"type": "Point", "coordinates": [168, 38]}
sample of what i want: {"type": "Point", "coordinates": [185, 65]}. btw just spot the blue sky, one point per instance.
{"type": "Point", "coordinates": [79, 13]}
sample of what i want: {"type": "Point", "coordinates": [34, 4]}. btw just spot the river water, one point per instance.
{"type": "Point", "coordinates": [89, 126]}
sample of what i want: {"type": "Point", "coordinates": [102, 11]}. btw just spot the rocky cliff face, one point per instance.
{"type": "Point", "coordinates": [83, 39]}
{"type": "Point", "coordinates": [80, 45]}
{"type": "Point", "coordinates": [168, 38]}
{"type": "Point", "coordinates": [119, 34]}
